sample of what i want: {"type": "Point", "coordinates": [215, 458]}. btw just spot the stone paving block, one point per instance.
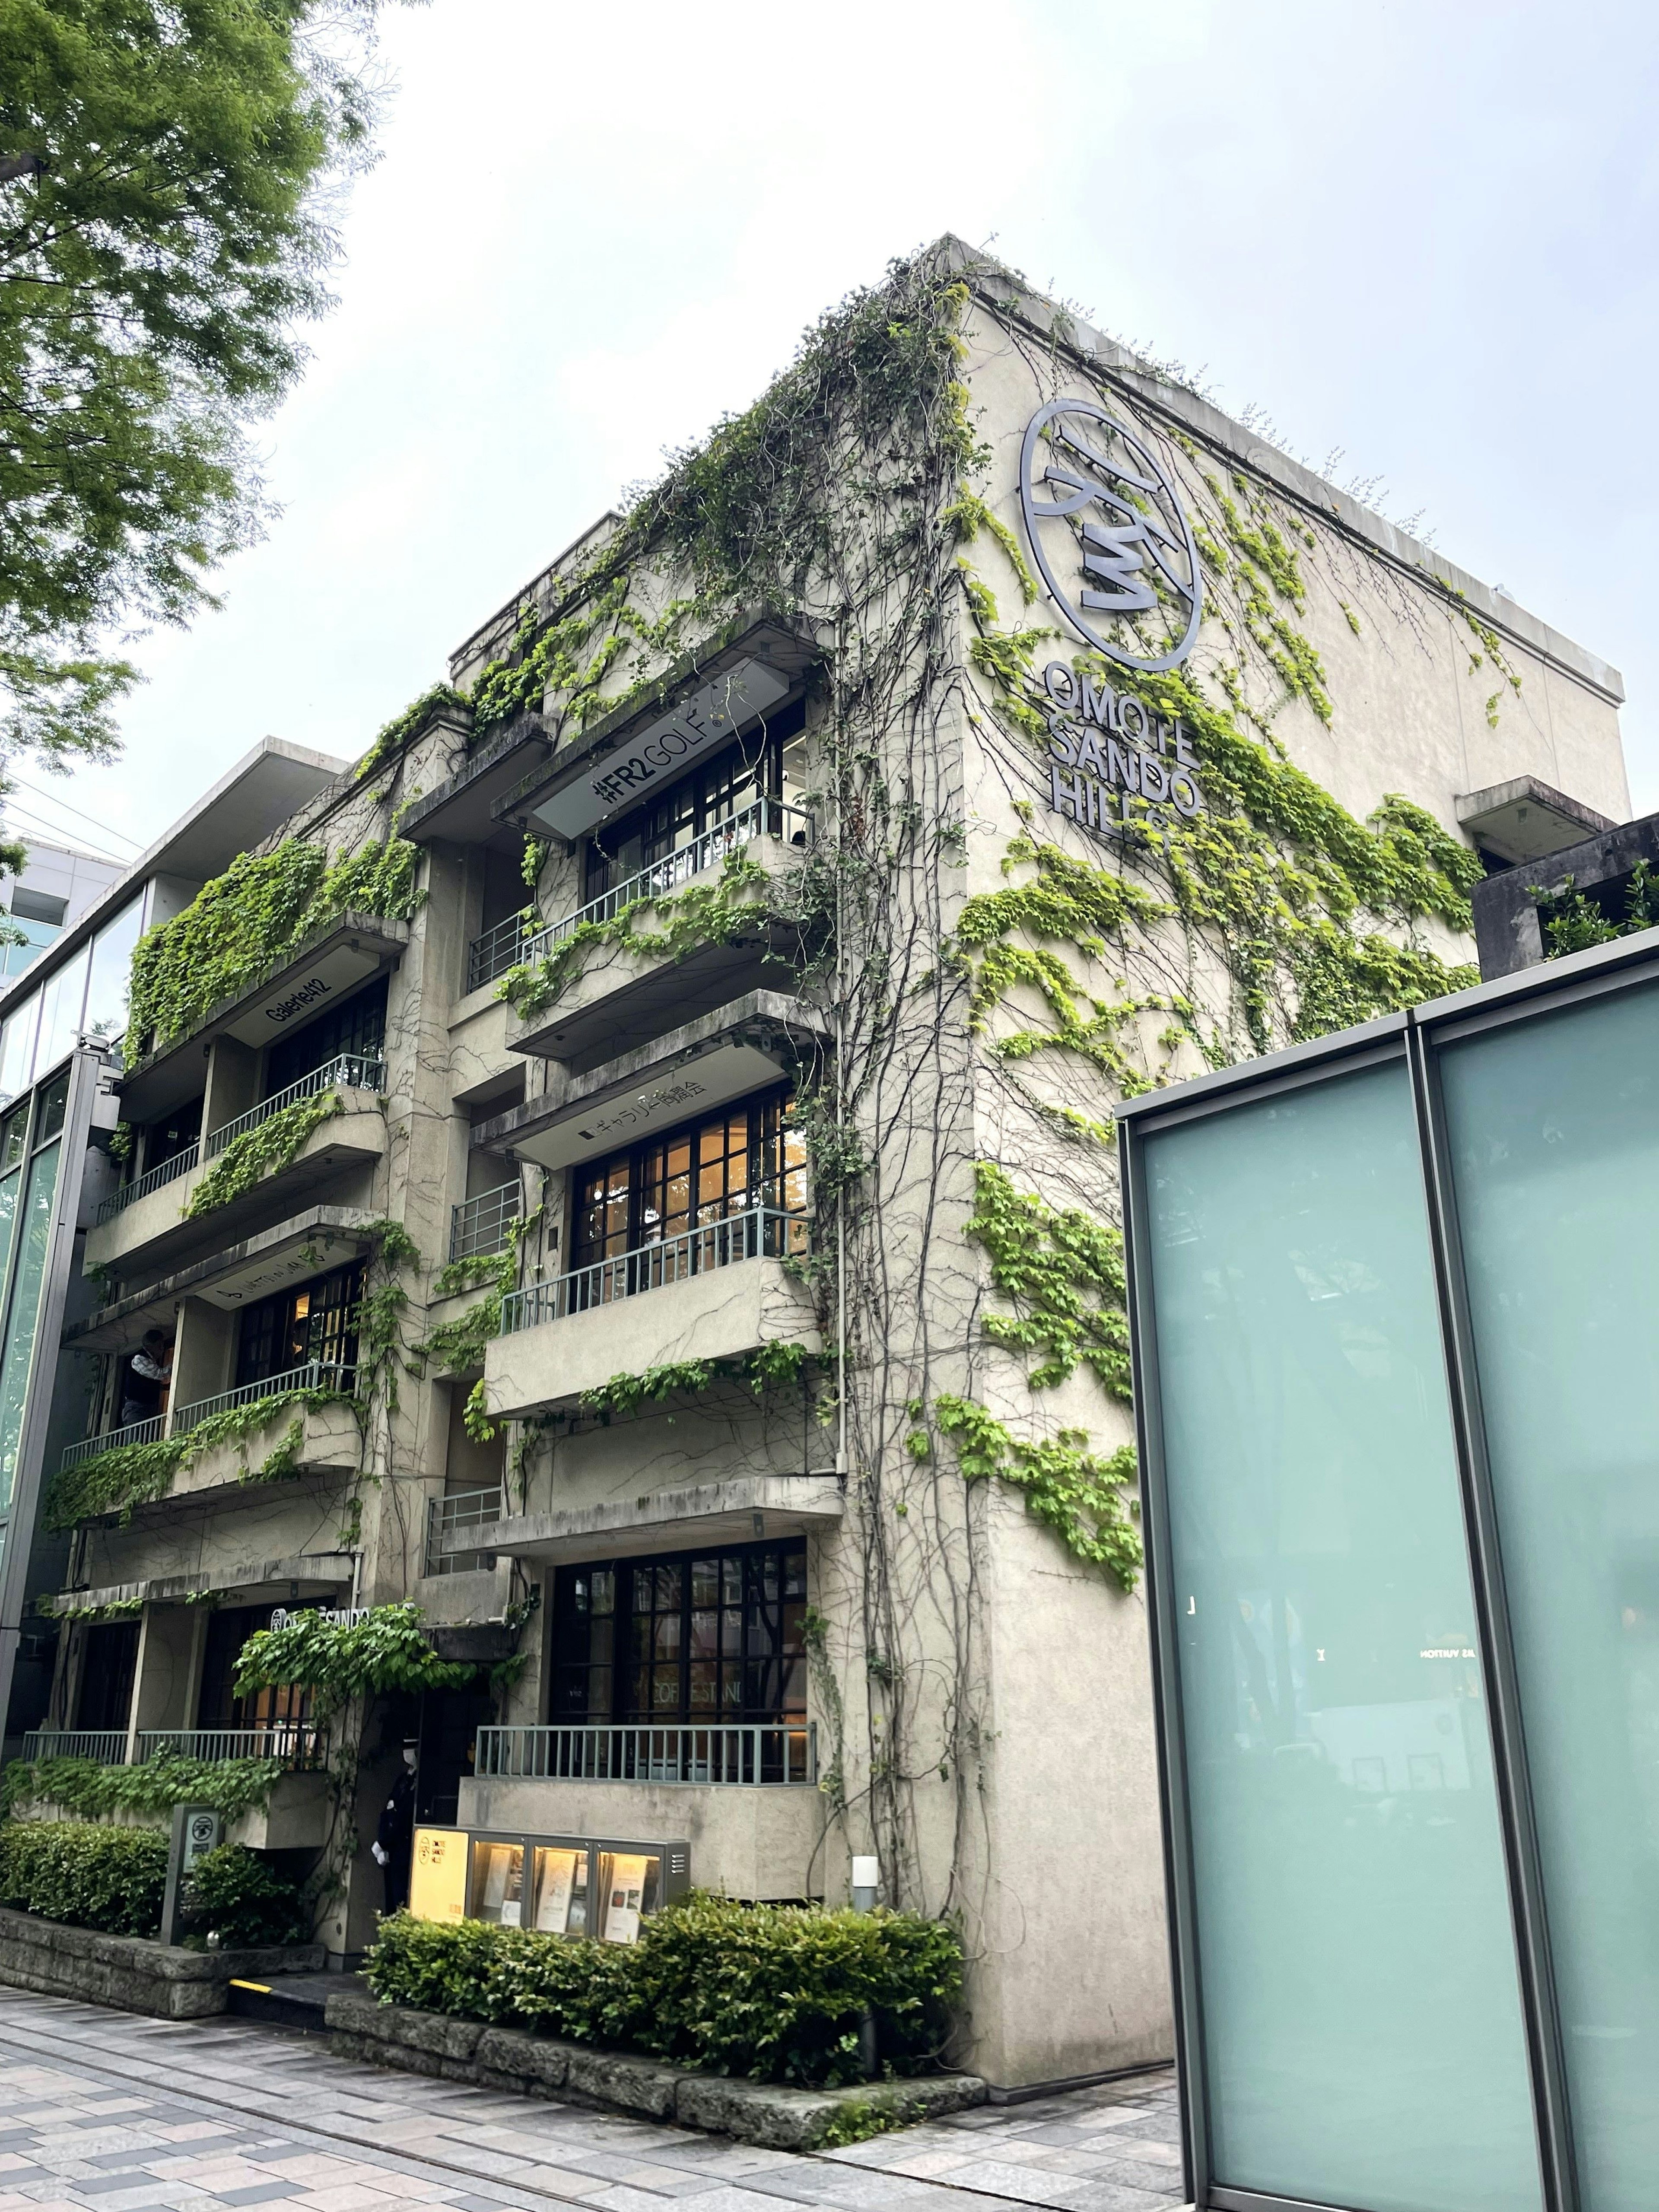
{"type": "Point", "coordinates": [260, 2192]}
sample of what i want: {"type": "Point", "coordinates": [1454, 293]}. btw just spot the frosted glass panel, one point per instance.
{"type": "Point", "coordinates": [1554, 1128]}
{"type": "Point", "coordinates": [1362, 2018]}
{"type": "Point", "coordinates": [23, 1312]}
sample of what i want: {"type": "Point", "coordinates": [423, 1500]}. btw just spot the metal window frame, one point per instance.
{"type": "Point", "coordinates": [1415, 1040]}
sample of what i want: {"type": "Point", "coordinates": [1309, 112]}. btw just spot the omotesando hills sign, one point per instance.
{"type": "Point", "coordinates": [1105, 749]}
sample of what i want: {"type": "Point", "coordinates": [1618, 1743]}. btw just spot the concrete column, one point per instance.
{"type": "Point", "coordinates": [231, 1083]}
{"type": "Point", "coordinates": [161, 1678]}
{"type": "Point", "coordinates": [201, 1351]}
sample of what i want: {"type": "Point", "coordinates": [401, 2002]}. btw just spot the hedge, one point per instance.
{"type": "Point", "coordinates": [110, 1879]}
{"type": "Point", "coordinates": [244, 1900]}
{"type": "Point", "coordinates": [775, 1991]}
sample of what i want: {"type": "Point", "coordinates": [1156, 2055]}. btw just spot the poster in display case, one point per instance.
{"type": "Point", "coordinates": [437, 1875]}
{"type": "Point", "coordinates": [554, 1885]}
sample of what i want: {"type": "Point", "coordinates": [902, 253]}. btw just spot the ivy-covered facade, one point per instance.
{"type": "Point", "coordinates": [698, 1287]}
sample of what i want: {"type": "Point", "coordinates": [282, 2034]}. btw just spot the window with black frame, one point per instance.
{"type": "Point", "coordinates": [691, 1640]}
{"type": "Point", "coordinates": [273, 1710]}
{"type": "Point", "coordinates": [314, 1321]}
{"type": "Point", "coordinates": [717, 1171]}
{"type": "Point", "coordinates": [719, 792]}
{"type": "Point", "coordinates": [357, 1025]}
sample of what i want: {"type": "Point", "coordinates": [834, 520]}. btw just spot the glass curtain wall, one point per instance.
{"type": "Point", "coordinates": [1394, 1317]}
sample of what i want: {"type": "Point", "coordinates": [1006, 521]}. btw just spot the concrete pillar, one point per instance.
{"type": "Point", "coordinates": [233, 1084]}
{"type": "Point", "coordinates": [161, 1679]}
{"type": "Point", "coordinates": [202, 1352]}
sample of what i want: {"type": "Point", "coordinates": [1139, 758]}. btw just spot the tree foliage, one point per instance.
{"type": "Point", "coordinates": [162, 231]}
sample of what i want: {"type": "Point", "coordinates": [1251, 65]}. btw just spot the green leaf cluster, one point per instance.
{"type": "Point", "coordinates": [138, 1474]}
{"type": "Point", "coordinates": [402, 727]}
{"type": "Point", "coordinates": [775, 1991]}
{"type": "Point", "coordinates": [384, 1651]}
{"type": "Point", "coordinates": [248, 920]}
{"type": "Point", "coordinates": [244, 1900]}
{"type": "Point", "coordinates": [163, 231]}
{"type": "Point", "coordinates": [1082, 1496]}
{"type": "Point", "coordinates": [110, 1879]}
{"type": "Point", "coordinates": [260, 1151]}
{"type": "Point", "coordinates": [763, 1368]}
{"type": "Point", "coordinates": [229, 1786]}
{"type": "Point", "coordinates": [1063, 1272]}
{"type": "Point", "coordinates": [1572, 922]}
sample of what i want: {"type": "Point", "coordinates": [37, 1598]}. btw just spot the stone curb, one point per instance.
{"type": "Point", "coordinates": [506, 2058]}
{"type": "Point", "coordinates": [132, 1973]}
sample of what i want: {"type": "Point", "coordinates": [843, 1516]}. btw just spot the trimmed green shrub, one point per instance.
{"type": "Point", "coordinates": [111, 1879]}
{"type": "Point", "coordinates": [246, 1898]}
{"type": "Point", "coordinates": [775, 1991]}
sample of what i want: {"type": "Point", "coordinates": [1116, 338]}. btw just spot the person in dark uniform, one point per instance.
{"type": "Point", "coordinates": [394, 1839]}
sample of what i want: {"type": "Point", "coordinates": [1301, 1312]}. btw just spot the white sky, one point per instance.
{"type": "Point", "coordinates": [1421, 233]}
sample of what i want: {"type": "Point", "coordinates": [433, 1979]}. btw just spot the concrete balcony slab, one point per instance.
{"type": "Point", "coordinates": [325, 966]}
{"type": "Point", "coordinates": [744, 1510]}
{"type": "Point", "coordinates": [296, 1818]}
{"type": "Point", "coordinates": [329, 1443]}
{"type": "Point", "coordinates": [719, 1314]}
{"type": "Point", "coordinates": [157, 1232]}
{"type": "Point", "coordinates": [306, 1579]}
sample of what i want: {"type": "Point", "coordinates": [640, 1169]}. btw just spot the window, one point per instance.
{"type": "Point", "coordinates": [173, 1134]}
{"type": "Point", "coordinates": [109, 1660]}
{"type": "Point", "coordinates": [756, 767]}
{"type": "Point", "coordinates": [693, 1638]}
{"type": "Point", "coordinates": [316, 1322]}
{"type": "Point", "coordinates": [746, 1156]}
{"type": "Point", "coordinates": [37, 906]}
{"type": "Point", "coordinates": [357, 1025]}
{"type": "Point", "coordinates": [229, 1630]}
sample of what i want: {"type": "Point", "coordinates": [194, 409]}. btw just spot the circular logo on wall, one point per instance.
{"type": "Point", "coordinates": [1109, 535]}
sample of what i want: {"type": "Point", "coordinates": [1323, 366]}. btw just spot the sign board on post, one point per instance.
{"type": "Point", "coordinates": [197, 1830]}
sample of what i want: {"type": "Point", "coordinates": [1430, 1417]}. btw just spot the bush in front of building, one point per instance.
{"type": "Point", "coordinates": [88, 1876]}
{"type": "Point", "coordinates": [775, 1991]}
{"type": "Point", "coordinates": [244, 1900]}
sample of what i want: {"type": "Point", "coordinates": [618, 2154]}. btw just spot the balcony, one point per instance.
{"type": "Point", "coordinates": [490, 957]}
{"type": "Point", "coordinates": [614, 995]}
{"type": "Point", "coordinates": [739, 1508]}
{"type": "Point", "coordinates": [297, 1745]}
{"type": "Point", "coordinates": [145, 1228]}
{"type": "Point", "coordinates": [453, 1522]}
{"type": "Point", "coordinates": [716, 1292]}
{"type": "Point", "coordinates": [329, 1443]}
{"type": "Point", "coordinates": [783, 1753]}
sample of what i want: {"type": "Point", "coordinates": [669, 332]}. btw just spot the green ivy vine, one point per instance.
{"type": "Point", "coordinates": [261, 1151]}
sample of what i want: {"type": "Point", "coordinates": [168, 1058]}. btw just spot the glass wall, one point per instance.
{"type": "Point", "coordinates": [1395, 1315]}
{"type": "Point", "coordinates": [1348, 1867]}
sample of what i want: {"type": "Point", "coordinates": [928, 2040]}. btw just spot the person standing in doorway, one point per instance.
{"type": "Point", "coordinates": [394, 1839]}
{"type": "Point", "coordinates": [146, 1379]}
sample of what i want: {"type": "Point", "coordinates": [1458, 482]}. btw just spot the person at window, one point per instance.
{"type": "Point", "coordinates": [147, 1378]}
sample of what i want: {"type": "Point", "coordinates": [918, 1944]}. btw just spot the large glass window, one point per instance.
{"type": "Point", "coordinates": [219, 1706]}
{"type": "Point", "coordinates": [28, 1274]}
{"type": "Point", "coordinates": [112, 967]}
{"type": "Point", "coordinates": [746, 1156]}
{"type": "Point", "coordinates": [357, 1025]}
{"type": "Point", "coordinates": [317, 1322]}
{"type": "Point", "coordinates": [694, 1637]}
{"type": "Point", "coordinates": [62, 1000]}
{"type": "Point", "coordinates": [17, 1047]}
{"type": "Point", "coordinates": [1361, 2013]}
{"type": "Point", "coordinates": [1554, 1129]}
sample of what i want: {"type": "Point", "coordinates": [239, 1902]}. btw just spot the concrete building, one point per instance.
{"type": "Point", "coordinates": [55, 887]}
{"type": "Point", "coordinates": [981, 729]}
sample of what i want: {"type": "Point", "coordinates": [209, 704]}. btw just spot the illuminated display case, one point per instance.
{"type": "Point", "coordinates": [558, 1884]}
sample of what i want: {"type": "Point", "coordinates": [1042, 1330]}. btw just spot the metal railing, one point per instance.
{"type": "Point", "coordinates": [104, 1747]}
{"type": "Point", "coordinates": [141, 1186]}
{"type": "Point", "coordinates": [296, 1743]}
{"type": "Point", "coordinates": [317, 1375]}
{"type": "Point", "coordinates": [446, 1516]}
{"type": "Point", "coordinates": [135, 1432]}
{"type": "Point", "coordinates": [765, 818]}
{"type": "Point", "coordinates": [771, 1752]}
{"type": "Point", "coordinates": [480, 1226]}
{"type": "Point", "coordinates": [347, 1071]}
{"type": "Point", "coordinates": [763, 1229]}
{"type": "Point", "coordinates": [490, 956]}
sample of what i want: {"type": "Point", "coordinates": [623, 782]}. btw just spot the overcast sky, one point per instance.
{"type": "Point", "coordinates": [1421, 234]}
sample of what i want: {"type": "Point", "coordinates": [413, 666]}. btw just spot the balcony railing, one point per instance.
{"type": "Point", "coordinates": [296, 1743]}
{"type": "Point", "coordinates": [490, 957]}
{"type": "Point", "coordinates": [480, 1224]}
{"type": "Point", "coordinates": [772, 1753]}
{"type": "Point", "coordinates": [445, 1516]}
{"type": "Point", "coordinates": [347, 1071]}
{"type": "Point", "coordinates": [765, 818]}
{"type": "Point", "coordinates": [104, 1747]}
{"type": "Point", "coordinates": [135, 1432]}
{"type": "Point", "coordinates": [141, 1186]}
{"type": "Point", "coordinates": [318, 1374]}
{"type": "Point", "coordinates": [763, 1230]}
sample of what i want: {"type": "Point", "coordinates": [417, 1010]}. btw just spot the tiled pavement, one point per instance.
{"type": "Point", "coordinates": [105, 2112]}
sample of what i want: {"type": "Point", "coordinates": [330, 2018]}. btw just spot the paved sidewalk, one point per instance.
{"type": "Point", "coordinates": [106, 2113]}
